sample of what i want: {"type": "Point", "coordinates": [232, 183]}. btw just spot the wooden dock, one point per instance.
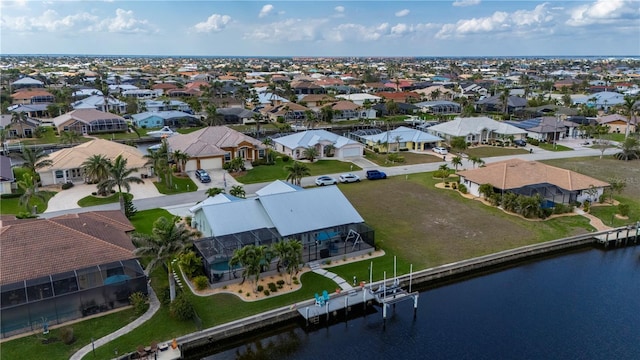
{"type": "Point", "coordinates": [342, 302]}
{"type": "Point", "coordinates": [620, 236]}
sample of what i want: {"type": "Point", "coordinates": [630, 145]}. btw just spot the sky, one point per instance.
{"type": "Point", "coordinates": [321, 28]}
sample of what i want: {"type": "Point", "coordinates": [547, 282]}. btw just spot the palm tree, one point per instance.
{"type": "Point", "coordinates": [504, 100]}
{"type": "Point", "coordinates": [19, 118]}
{"type": "Point", "coordinates": [29, 191]}
{"type": "Point", "coordinates": [629, 149]}
{"type": "Point", "coordinates": [69, 137]}
{"type": "Point", "coordinates": [181, 158]}
{"type": "Point", "coordinates": [250, 257]}
{"type": "Point", "coordinates": [296, 172]}
{"type": "Point", "coordinates": [120, 176]}
{"type": "Point", "coordinates": [34, 159]}
{"type": "Point", "coordinates": [628, 105]}
{"type": "Point", "coordinates": [397, 138]}
{"type": "Point", "coordinates": [443, 170]}
{"type": "Point", "coordinates": [311, 118]}
{"type": "Point", "coordinates": [168, 240]}
{"type": "Point", "coordinates": [456, 161]}
{"type": "Point", "coordinates": [237, 191]}
{"type": "Point", "coordinates": [268, 142]}
{"type": "Point", "coordinates": [96, 168]}
{"type": "Point", "coordinates": [211, 192]}
{"type": "Point", "coordinates": [486, 190]}
{"type": "Point", "coordinates": [310, 153]}
{"type": "Point", "coordinates": [289, 254]}
{"type": "Point", "coordinates": [476, 161]}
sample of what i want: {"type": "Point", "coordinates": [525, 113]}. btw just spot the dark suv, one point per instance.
{"type": "Point", "coordinates": [375, 175]}
{"type": "Point", "coordinates": [520, 142]}
{"type": "Point", "coordinates": [203, 176]}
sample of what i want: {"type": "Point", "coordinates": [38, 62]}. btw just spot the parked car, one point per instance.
{"type": "Point", "coordinates": [326, 180]}
{"type": "Point", "coordinates": [203, 176]}
{"type": "Point", "coordinates": [440, 150]}
{"type": "Point", "coordinates": [349, 178]}
{"type": "Point", "coordinates": [375, 175]}
{"type": "Point", "coordinates": [520, 142]}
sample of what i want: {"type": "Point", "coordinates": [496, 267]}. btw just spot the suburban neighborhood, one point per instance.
{"type": "Point", "coordinates": [155, 186]}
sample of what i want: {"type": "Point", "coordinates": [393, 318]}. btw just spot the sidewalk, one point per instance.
{"type": "Point", "coordinates": [594, 221]}
{"type": "Point", "coordinates": [344, 285]}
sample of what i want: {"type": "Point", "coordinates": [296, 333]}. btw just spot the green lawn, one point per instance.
{"type": "Point", "coordinates": [12, 206]}
{"type": "Point", "coordinates": [143, 220]}
{"type": "Point", "coordinates": [188, 130]}
{"type": "Point", "coordinates": [181, 184]}
{"type": "Point", "coordinates": [608, 213]}
{"type": "Point", "coordinates": [31, 347]}
{"type": "Point", "coordinates": [491, 151]}
{"type": "Point", "coordinates": [120, 135]}
{"type": "Point", "coordinates": [551, 147]}
{"type": "Point", "coordinates": [98, 200]}
{"type": "Point", "coordinates": [265, 173]}
{"type": "Point", "coordinates": [613, 136]}
{"type": "Point", "coordinates": [409, 158]}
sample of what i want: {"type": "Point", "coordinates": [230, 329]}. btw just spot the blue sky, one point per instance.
{"type": "Point", "coordinates": [321, 28]}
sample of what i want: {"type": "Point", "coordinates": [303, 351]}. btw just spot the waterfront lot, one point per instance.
{"type": "Point", "coordinates": [410, 158]}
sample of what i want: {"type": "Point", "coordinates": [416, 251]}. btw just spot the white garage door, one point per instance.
{"type": "Point", "coordinates": [192, 165]}
{"type": "Point", "coordinates": [351, 152]}
{"type": "Point", "coordinates": [208, 164]}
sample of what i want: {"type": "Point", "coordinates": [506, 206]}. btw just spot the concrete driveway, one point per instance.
{"type": "Point", "coordinates": [68, 199]}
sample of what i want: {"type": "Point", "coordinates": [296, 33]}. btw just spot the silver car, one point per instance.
{"type": "Point", "coordinates": [349, 178]}
{"type": "Point", "coordinates": [326, 180]}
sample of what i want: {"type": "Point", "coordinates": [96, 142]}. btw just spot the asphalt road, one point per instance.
{"type": "Point", "coordinates": [181, 202]}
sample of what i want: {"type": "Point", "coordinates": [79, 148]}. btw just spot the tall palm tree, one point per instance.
{"type": "Point", "coordinates": [69, 137]}
{"type": "Point", "coordinates": [120, 176]}
{"type": "Point", "coordinates": [29, 191]}
{"type": "Point", "coordinates": [168, 240]}
{"type": "Point", "coordinates": [181, 159]}
{"type": "Point", "coordinates": [19, 118]}
{"type": "Point", "coordinates": [296, 172]}
{"type": "Point", "coordinates": [211, 192]}
{"type": "Point", "coordinates": [34, 159]}
{"type": "Point", "coordinates": [293, 258]}
{"type": "Point", "coordinates": [237, 191]}
{"type": "Point", "coordinates": [250, 257]}
{"type": "Point", "coordinates": [310, 153]}
{"type": "Point", "coordinates": [456, 161]}
{"type": "Point", "coordinates": [96, 168]}
{"type": "Point", "coordinates": [268, 142]}
{"type": "Point", "coordinates": [629, 103]}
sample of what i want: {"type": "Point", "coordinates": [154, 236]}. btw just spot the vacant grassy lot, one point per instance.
{"type": "Point", "coordinates": [489, 151]}
{"type": "Point", "coordinates": [264, 173]}
{"type": "Point", "coordinates": [409, 158]}
{"type": "Point", "coordinates": [12, 206]}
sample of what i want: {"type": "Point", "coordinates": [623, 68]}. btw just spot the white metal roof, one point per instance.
{"type": "Point", "coordinates": [277, 187]}
{"type": "Point", "coordinates": [236, 217]}
{"type": "Point", "coordinates": [474, 125]}
{"type": "Point", "coordinates": [404, 134]}
{"type": "Point", "coordinates": [304, 139]}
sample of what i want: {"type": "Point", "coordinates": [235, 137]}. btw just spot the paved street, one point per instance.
{"type": "Point", "coordinates": [179, 204]}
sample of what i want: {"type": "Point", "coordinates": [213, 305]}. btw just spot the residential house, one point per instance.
{"type": "Point", "coordinates": [6, 175]}
{"type": "Point", "coordinates": [164, 87]}
{"type": "Point", "coordinates": [98, 102]}
{"type": "Point", "coordinates": [32, 96]}
{"type": "Point", "coordinates": [617, 123]}
{"type": "Point", "coordinates": [66, 164]}
{"type": "Point", "coordinates": [476, 130]}
{"type": "Point", "coordinates": [553, 184]}
{"type": "Point", "coordinates": [604, 100]}
{"type": "Point", "coordinates": [65, 268]}
{"type": "Point", "coordinates": [321, 218]}
{"type": "Point", "coordinates": [155, 119]}
{"type": "Point", "coordinates": [212, 146]}
{"type": "Point", "coordinates": [157, 105]}
{"type": "Point", "coordinates": [88, 121]}
{"type": "Point", "coordinates": [346, 110]}
{"type": "Point", "coordinates": [27, 83]}
{"type": "Point", "coordinates": [400, 97]}
{"type": "Point", "coordinates": [399, 139]}
{"type": "Point", "coordinates": [547, 128]}
{"type": "Point", "coordinates": [439, 107]}
{"type": "Point", "coordinates": [360, 98]}
{"type": "Point", "coordinates": [142, 93]}
{"type": "Point", "coordinates": [494, 103]}
{"type": "Point", "coordinates": [290, 112]}
{"type": "Point", "coordinates": [236, 115]}
{"type": "Point", "coordinates": [316, 101]}
{"type": "Point", "coordinates": [401, 109]}
{"type": "Point", "coordinates": [32, 110]}
{"type": "Point", "coordinates": [341, 147]}
{"type": "Point", "coordinates": [22, 128]}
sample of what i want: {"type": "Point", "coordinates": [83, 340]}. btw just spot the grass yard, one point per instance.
{"type": "Point", "coordinates": [613, 136]}
{"type": "Point", "coordinates": [551, 147]}
{"type": "Point", "coordinates": [31, 347]}
{"type": "Point", "coordinates": [120, 135]}
{"type": "Point", "coordinates": [181, 184]}
{"type": "Point", "coordinates": [12, 206]}
{"type": "Point", "coordinates": [410, 158]}
{"type": "Point", "coordinates": [143, 220]}
{"type": "Point", "coordinates": [491, 151]}
{"type": "Point", "coordinates": [265, 173]}
{"type": "Point", "coordinates": [100, 200]}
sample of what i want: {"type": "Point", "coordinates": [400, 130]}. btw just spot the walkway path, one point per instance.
{"type": "Point", "coordinates": [154, 305]}
{"type": "Point", "coordinates": [344, 285]}
{"type": "Point", "coordinates": [594, 221]}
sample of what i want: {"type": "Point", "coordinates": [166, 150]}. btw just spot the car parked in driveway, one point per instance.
{"type": "Point", "coordinates": [520, 142]}
{"type": "Point", "coordinates": [349, 178]}
{"type": "Point", "coordinates": [326, 180]}
{"type": "Point", "coordinates": [440, 150]}
{"type": "Point", "coordinates": [203, 176]}
{"type": "Point", "coordinates": [375, 175]}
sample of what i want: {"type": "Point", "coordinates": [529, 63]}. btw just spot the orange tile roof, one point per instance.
{"type": "Point", "coordinates": [28, 94]}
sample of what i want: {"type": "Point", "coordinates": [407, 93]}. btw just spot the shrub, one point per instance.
{"type": "Point", "coordinates": [267, 292]}
{"type": "Point", "coordinates": [454, 185]}
{"type": "Point", "coordinates": [295, 281]}
{"type": "Point", "coordinates": [181, 308]}
{"type": "Point", "coordinates": [139, 302]}
{"type": "Point", "coordinates": [562, 209]}
{"type": "Point", "coordinates": [164, 296]}
{"type": "Point", "coordinates": [10, 196]}
{"type": "Point", "coordinates": [286, 158]}
{"type": "Point", "coordinates": [201, 282]}
{"type": "Point", "coordinates": [280, 282]}
{"type": "Point", "coordinates": [247, 294]}
{"type": "Point", "coordinates": [623, 209]}
{"type": "Point", "coordinates": [67, 185]}
{"type": "Point", "coordinates": [260, 288]}
{"type": "Point", "coordinates": [586, 206]}
{"type": "Point", "coordinates": [240, 291]}
{"type": "Point", "coordinates": [272, 287]}
{"type": "Point", "coordinates": [67, 336]}
{"type": "Point", "coordinates": [94, 193]}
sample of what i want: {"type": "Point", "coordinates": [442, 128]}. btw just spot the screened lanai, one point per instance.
{"type": "Point", "coordinates": [551, 194]}
{"type": "Point", "coordinates": [57, 298]}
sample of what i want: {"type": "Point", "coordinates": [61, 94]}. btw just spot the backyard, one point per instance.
{"type": "Point", "coordinates": [410, 158]}
{"type": "Point", "coordinates": [265, 173]}
{"type": "Point", "coordinates": [490, 151]}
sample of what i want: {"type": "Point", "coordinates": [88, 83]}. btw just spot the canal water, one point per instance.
{"type": "Point", "coordinates": [582, 305]}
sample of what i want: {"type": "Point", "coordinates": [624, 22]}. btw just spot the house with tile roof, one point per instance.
{"type": "Point", "coordinates": [617, 123]}
{"type": "Point", "coordinates": [32, 96]}
{"type": "Point", "coordinates": [27, 82]}
{"type": "Point", "coordinates": [157, 119]}
{"type": "Point", "coordinates": [476, 130]}
{"type": "Point", "coordinates": [211, 147]}
{"type": "Point", "coordinates": [66, 164]}
{"type": "Point", "coordinates": [553, 184]}
{"type": "Point", "coordinates": [88, 121]}
{"type": "Point", "coordinates": [341, 147]}
{"type": "Point", "coordinates": [331, 227]}
{"type": "Point", "coordinates": [65, 268]}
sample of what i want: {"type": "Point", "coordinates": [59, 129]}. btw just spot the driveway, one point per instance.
{"type": "Point", "coordinates": [219, 179]}
{"type": "Point", "coordinates": [68, 199]}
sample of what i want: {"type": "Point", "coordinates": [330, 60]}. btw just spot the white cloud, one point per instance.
{"type": "Point", "coordinates": [265, 10]}
{"type": "Point", "coordinates": [215, 22]}
{"type": "Point", "coordinates": [603, 12]}
{"type": "Point", "coordinates": [466, 2]}
{"type": "Point", "coordinates": [339, 9]}
{"type": "Point", "coordinates": [289, 30]}
{"type": "Point", "coordinates": [403, 12]}
{"type": "Point", "coordinates": [124, 22]}
{"type": "Point", "coordinates": [520, 21]}
{"type": "Point", "coordinates": [400, 29]}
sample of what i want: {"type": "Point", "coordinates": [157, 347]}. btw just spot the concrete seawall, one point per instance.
{"type": "Point", "coordinates": [419, 279]}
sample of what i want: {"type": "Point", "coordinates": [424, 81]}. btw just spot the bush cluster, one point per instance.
{"type": "Point", "coordinates": [201, 282]}
{"type": "Point", "coordinates": [139, 302]}
{"type": "Point", "coordinates": [181, 308]}
{"type": "Point", "coordinates": [67, 336]}
{"type": "Point", "coordinates": [272, 286]}
{"type": "Point", "coordinates": [67, 185]}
